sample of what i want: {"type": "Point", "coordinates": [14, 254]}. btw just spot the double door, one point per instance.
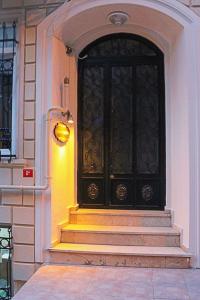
{"type": "Point", "coordinates": [121, 144]}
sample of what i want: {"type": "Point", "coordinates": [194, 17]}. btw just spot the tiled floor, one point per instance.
{"type": "Point", "coordinates": [111, 283]}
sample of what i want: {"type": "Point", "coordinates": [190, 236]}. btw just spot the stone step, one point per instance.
{"type": "Point", "coordinates": [121, 217]}
{"type": "Point", "coordinates": [121, 235]}
{"type": "Point", "coordinates": [109, 255]}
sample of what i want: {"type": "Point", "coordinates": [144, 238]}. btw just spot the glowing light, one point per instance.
{"type": "Point", "coordinates": [70, 119]}
{"type": "Point", "coordinates": [62, 132]}
{"type": "Point", "coordinates": [62, 152]}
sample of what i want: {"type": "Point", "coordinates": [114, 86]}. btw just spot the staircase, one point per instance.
{"type": "Point", "coordinates": [120, 238]}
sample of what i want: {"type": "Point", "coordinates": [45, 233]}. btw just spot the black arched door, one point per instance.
{"type": "Point", "coordinates": [121, 124]}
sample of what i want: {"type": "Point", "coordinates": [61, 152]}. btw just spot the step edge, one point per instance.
{"type": "Point", "coordinates": [64, 230]}
{"type": "Point", "coordinates": [117, 247]}
{"type": "Point", "coordinates": [125, 214]}
{"type": "Point", "coordinates": [183, 255]}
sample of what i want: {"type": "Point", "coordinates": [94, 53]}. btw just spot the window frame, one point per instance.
{"type": "Point", "coordinates": [9, 17]}
{"type": "Point", "coordinates": [7, 54]}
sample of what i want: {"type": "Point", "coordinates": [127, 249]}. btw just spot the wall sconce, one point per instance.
{"type": "Point", "coordinates": [61, 132]}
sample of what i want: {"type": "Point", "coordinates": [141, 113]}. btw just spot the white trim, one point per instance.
{"type": "Point", "coordinates": [195, 152]}
{"type": "Point", "coordinates": [42, 205]}
{"type": "Point", "coordinates": [197, 162]}
{"type": "Point", "coordinates": [68, 10]}
{"type": "Point", "coordinates": [88, 37]}
{"type": "Point", "coordinates": [26, 187]}
{"type": "Point", "coordinates": [10, 15]}
{"type": "Point", "coordinates": [18, 93]}
{"type": "Point", "coordinates": [16, 163]}
{"type": "Point", "coordinates": [167, 126]}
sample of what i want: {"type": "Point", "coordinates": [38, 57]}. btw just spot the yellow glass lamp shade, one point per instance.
{"type": "Point", "coordinates": [61, 132]}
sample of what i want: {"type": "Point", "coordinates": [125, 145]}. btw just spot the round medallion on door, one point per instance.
{"type": "Point", "coordinates": [121, 192]}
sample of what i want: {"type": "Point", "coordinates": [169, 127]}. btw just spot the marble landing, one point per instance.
{"type": "Point", "coordinates": [58, 282]}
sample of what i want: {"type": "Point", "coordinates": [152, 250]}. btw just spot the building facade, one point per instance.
{"type": "Point", "coordinates": [52, 39]}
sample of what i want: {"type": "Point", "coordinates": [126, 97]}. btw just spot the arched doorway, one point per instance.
{"type": "Point", "coordinates": [121, 124]}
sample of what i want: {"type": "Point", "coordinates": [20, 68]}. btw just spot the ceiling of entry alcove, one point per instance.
{"type": "Point", "coordinates": [83, 28]}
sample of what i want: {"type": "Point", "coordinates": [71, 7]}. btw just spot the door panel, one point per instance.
{"type": "Point", "coordinates": [147, 120]}
{"type": "Point", "coordinates": [91, 138]}
{"type": "Point", "coordinates": [148, 193]}
{"type": "Point", "coordinates": [121, 192]}
{"type": "Point", "coordinates": [121, 135]}
{"type": "Point", "coordinates": [93, 120]}
{"type": "Point", "coordinates": [121, 120]}
{"type": "Point", "coordinates": [92, 191]}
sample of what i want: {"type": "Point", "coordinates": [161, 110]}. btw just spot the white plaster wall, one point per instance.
{"type": "Point", "coordinates": [179, 135]}
{"type": "Point", "coordinates": [183, 132]}
{"type": "Point", "coordinates": [58, 154]}
{"type": "Point", "coordinates": [194, 142]}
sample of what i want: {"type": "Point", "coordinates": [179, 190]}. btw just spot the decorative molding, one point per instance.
{"type": "Point", "coordinates": [8, 15]}
{"type": "Point", "coordinates": [69, 10]}
{"type": "Point", "coordinates": [121, 192]}
{"type": "Point", "coordinates": [93, 191]}
{"type": "Point", "coordinates": [168, 7]}
{"type": "Point", "coordinates": [15, 163]}
{"type": "Point", "coordinates": [147, 192]}
{"type": "Point", "coordinates": [180, 230]}
{"type": "Point", "coordinates": [54, 243]}
{"type": "Point", "coordinates": [73, 208]}
{"type": "Point", "coordinates": [185, 249]}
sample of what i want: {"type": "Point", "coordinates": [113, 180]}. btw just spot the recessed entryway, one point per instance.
{"type": "Point", "coordinates": [173, 28]}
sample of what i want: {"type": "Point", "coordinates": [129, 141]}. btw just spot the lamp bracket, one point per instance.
{"type": "Point", "coordinates": [66, 80]}
{"type": "Point", "coordinates": [66, 114]}
{"type": "Point", "coordinates": [68, 50]}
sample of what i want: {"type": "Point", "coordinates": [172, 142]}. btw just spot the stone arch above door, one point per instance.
{"type": "Point", "coordinates": [145, 18]}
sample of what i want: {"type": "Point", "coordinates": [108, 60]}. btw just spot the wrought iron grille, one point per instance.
{"type": "Point", "coordinates": [5, 263]}
{"type": "Point", "coordinates": [7, 52]}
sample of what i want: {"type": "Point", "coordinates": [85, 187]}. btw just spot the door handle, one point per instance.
{"type": "Point", "coordinates": [112, 176]}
